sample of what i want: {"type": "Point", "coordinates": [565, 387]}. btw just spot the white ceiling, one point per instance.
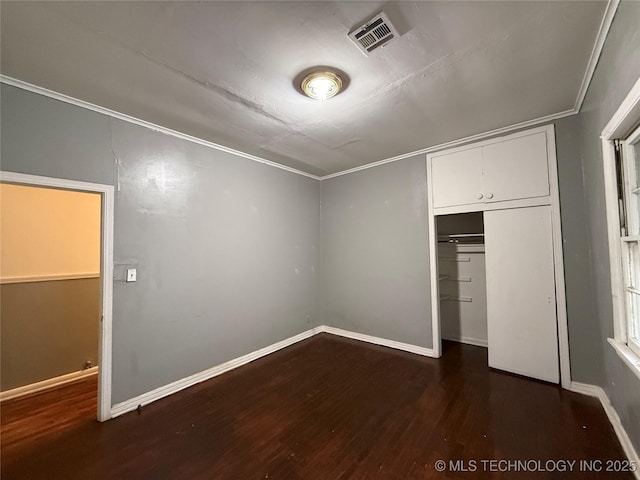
{"type": "Point", "coordinates": [223, 71]}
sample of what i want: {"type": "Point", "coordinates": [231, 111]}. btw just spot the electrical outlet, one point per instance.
{"type": "Point", "coordinates": [131, 275]}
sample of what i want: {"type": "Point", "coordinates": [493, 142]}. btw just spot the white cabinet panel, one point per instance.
{"type": "Point", "coordinates": [500, 173]}
{"type": "Point", "coordinates": [515, 169]}
{"type": "Point", "coordinates": [521, 298]}
{"type": "Point", "coordinates": [457, 178]}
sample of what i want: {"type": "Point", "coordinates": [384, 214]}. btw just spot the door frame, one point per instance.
{"type": "Point", "coordinates": [106, 271]}
{"type": "Point", "coordinates": [558, 257]}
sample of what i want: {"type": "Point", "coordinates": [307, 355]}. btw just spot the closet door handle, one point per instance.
{"type": "Point", "coordinates": [489, 196]}
{"type": "Point", "coordinates": [479, 196]}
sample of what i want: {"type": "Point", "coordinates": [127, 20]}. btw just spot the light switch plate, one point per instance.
{"type": "Point", "coordinates": [131, 274]}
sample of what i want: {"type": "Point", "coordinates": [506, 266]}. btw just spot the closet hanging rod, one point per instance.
{"type": "Point", "coordinates": [456, 237]}
{"type": "Point", "coordinates": [460, 235]}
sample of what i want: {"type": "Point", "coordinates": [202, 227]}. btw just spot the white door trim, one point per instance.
{"type": "Point", "coordinates": [106, 266]}
{"type": "Point", "coordinates": [558, 258]}
{"type": "Point", "coordinates": [563, 330]}
{"type": "Point", "coordinates": [434, 280]}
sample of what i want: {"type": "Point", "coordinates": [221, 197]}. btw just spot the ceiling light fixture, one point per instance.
{"type": "Point", "coordinates": [321, 85]}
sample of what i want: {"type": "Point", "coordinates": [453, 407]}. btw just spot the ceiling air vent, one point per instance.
{"type": "Point", "coordinates": [375, 33]}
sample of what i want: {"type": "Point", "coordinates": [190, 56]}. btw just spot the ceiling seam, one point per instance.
{"type": "Point", "coordinates": [14, 82]}
{"type": "Point", "coordinates": [174, 133]}
{"type": "Point", "coordinates": [604, 28]}
{"type": "Point", "coordinates": [603, 32]}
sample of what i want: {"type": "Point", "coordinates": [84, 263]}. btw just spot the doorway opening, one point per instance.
{"type": "Point", "coordinates": [99, 275]}
{"type": "Point", "coordinates": [462, 278]}
{"type": "Point", "coordinates": [521, 289]}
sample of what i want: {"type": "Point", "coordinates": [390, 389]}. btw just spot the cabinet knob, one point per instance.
{"type": "Point", "coordinates": [489, 195]}
{"type": "Point", "coordinates": [479, 196]}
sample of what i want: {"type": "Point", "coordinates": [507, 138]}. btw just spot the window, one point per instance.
{"type": "Point", "coordinates": [621, 161]}
{"type": "Point", "coordinates": [628, 180]}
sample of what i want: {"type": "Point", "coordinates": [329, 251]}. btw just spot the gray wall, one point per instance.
{"type": "Point", "coordinates": [375, 256]}
{"type": "Point", "coordinates": [583, 324]}
{"type": "Point", "coordinates": [617, 71]}
{"type": "Point", "coordinates": [228, 252]}
{"type": "Point", "coordinates": [48, 328]}
{"type": "Point", "coordinates": [227, 249]}
{"type": "Point", "coordinates": [374, 239]}
{"type": "Point", "coordinates": [375, 276]}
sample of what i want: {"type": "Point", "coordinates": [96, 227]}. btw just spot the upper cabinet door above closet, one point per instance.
{"type": "Point", "coordinates": [515, 169]}
{"type": "Point", "coordinates": [457, 178]}
{"type": "Point", "coordinates": [487, 175]}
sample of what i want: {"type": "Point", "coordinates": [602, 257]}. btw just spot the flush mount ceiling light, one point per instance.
{"type": "Point", "coordinates": [321, 85]}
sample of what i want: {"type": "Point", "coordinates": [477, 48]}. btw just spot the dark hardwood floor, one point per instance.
{"type": "Point", "coordinates": [326, 408]}
{"type": "Point", "coordinates": [45, 415]}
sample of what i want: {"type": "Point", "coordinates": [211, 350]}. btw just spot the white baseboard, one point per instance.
{"type": "Point", "coordinates": [427, 352]}
{"type": "Point", "coordinates": [47, 384]}
{"type": "Point", "coordinates": [478, 342]}
{"type": "Point", "coordinates": [625, 441]}
{"type": "Point", "coordinates": [161, 392]}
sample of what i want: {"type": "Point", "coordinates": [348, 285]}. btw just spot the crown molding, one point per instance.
{"type": "Point", "coordinates": [14, 82]}
{"type": "Point", "coordinates": [459, 142]}
{"type": "Point", "coordinates": [603, 32]}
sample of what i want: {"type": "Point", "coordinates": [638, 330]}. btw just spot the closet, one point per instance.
{"type": "Point", "coordinates": [494, 209]}
{"type": "Point", "coordinates": [462, 278]}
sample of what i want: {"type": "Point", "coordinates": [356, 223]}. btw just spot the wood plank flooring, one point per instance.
{"type": "Point", "coordinates": [326, 408]}
{"type": "Point", "coordinates": [46, 415]}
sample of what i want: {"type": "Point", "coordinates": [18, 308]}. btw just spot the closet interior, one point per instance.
{"type": "Point", "coordinates": [462, 278]}
{"type": "Point", "coordinates": [496, 249]}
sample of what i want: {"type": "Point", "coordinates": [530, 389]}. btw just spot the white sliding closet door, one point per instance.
{"type": "Point", "coordinates": [521, 297]}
